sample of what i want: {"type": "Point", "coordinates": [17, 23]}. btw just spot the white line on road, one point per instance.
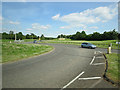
{"type": "Point", "coordinates": [98, 63]}
{"type": "Point", "coordinates": [99, 57]}
{"type": "Point", "coordinates": [99, 51]}
{"type": "Point", "coordinates": [96, 83]}
{"type": "Point", "coordinates": [73, 80]}
{"type": "Point", "coordinates": [92, 60]}
{"type": "Point", "coordinates": [89, 78]}
{"type": "Point", "coordinates": [95, 52]}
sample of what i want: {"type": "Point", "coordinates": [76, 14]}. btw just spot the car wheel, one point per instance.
{"type": "Point", "coordinates": [82, 46]}
{"type": "Point", "coordinates": [90, 47]}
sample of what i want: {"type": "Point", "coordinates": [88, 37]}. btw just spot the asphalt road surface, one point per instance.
{"type": "Point", "coordinates": [67, 66]}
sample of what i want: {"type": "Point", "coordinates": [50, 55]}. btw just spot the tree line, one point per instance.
{"type": "Point", "coordinates": [19, 35]}
{"type": "Point", "coordinates": [110, 35]}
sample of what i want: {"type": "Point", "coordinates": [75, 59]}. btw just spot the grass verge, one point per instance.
{"type": "Point", "coordinates": [113, 72]}
{"type": "Point", "coordinates": [13, 51]}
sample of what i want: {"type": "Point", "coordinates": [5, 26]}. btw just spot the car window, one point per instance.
{"type": "Point", "coordinates": [85, 43]}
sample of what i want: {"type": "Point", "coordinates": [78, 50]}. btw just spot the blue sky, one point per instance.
{"type": "Point", "coordinates": [52, 19]}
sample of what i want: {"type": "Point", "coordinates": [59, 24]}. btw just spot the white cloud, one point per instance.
{"type": "Point", "coordinates": [1, 17]}
{"type": "Point", "coordinates": [11, 22]}
{"type": "Point", "coordinates": [37, 26]}
{"type": "Point", "coordinates": [29, 29]}
{"type": "Point", "coordinates": [56, 17]}
{"type": "Point", "coordinates": [5, 30]}
{"type": "Point", "coordinates": [73, 26]}
{"type": "Point", "coordinates": [40, 27]}
{"type": "Point", "coordinates": [100, 14]}
{"type": "Point", "coordinates": [14, 0]}
{"type": "Point", "coordinates": [94, 27]}
{"type": "Point", "coordinates": [65, 27]}
{"type": "Point", "coordinates": [24, 0]}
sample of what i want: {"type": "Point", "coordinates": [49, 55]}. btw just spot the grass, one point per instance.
{"type": "Point", "coordinates": [29, 40]}
{"type": "Point", "coordinates": [100, 44]}
{"type": "Point", "coordinates": [113, 70]}
{"type": "Point", "coordinates": [13, 51]}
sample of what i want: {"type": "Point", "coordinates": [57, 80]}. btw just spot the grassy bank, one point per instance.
{"type": "Point", "coordinates": [100, 44]}
{"type": "Point", "coordinates": [13, 51]}
{"type": "Point", "coordinates": [113, 70]}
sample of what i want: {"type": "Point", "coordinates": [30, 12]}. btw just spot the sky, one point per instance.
{"type": "Point", "coordinates": [55, 18]}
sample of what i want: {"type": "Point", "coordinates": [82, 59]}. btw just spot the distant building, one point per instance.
{"type": "Point", "coordinates": [61, 38]}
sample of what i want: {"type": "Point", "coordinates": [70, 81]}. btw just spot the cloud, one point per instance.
{"type": "Point", "coordinates": [1, 18]}
{"type": "Point", "coordinates": [14, 1]}
{"type": "Point", "coordinates": [73, 26]}
{"type": "Point", "coordinates": [37, 26]}
{"type": "Point", "coordinates": [65, 27]}
{"type": "Point", "coordinates": [89, 16]}
{"type": "Point", "coordinates": [28, 29]}
{"type": "Point", "coordinates": [24, 0]}
{"type": "Point", "coordinates": [15, 23]}
{"type": "Point", "coordinates": [56, 17]}
{"type": "Point", "coordinates": [94, 27]}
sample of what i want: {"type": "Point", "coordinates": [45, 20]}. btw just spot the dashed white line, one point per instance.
{"type": "Point", "coordinates": [98, 63]}
{"type": "Point", "coordinates": [92, 60]}
{"type": "Point", "coordinates": [73, 80]}
{"type": "Point", "coordinates": [89, 78]}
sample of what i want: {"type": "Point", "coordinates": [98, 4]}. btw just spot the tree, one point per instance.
{"type": "Point", "coordinates": [11, 35]}
{"type": "Point", "coordinates": [42, 37]}
{"type": "Point", "coordinates": [96, 36]}
{"type": "Point", "coordinates": [19, 35]}
{"type": "Point", "coordinates": [83, 35]}
{"type": "Point", "coordinates": [5, 35]}
{"type": "Point", "coordinates": [27, 36]}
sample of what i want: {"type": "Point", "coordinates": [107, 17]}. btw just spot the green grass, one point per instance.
{"type": "Point", "coordinates": [100, 44]}
{"type": "Point", "coordinates": [13, 51]}
{"type": "Point", "coordinates": [29, 40]}
{"type": "Point", "coordinates": [113, 69]}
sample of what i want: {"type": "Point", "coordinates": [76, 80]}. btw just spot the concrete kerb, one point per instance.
{"type": "Point", "coordinates": [106, 69]}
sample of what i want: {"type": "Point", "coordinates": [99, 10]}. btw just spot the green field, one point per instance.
{"type": "Point", "coordinates": [13, 51]}
{"type": "Point", "coordinates": [113, 69]}
{"type": "Point", "coordinates": [100, 44]}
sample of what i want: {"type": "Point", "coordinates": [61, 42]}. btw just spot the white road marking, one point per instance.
{"type": "Point", "coordinates": [96, 83]}
{"type": "Point", "coordinates": [89, 78]}
{"type": "Point", "coordinates": [73, 80]}
{"type": "Point", "coordinates": [99, 51]}
{"type": "Point", "coordinates": [98, 63]}
{"type": "Point", "coordinates": [95, 52]}
{"type": "Point", "coordinates": [92, 60]}
{"type": "Point", "coordinates": [99, 57]}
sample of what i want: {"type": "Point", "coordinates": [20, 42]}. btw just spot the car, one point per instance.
{"type": "Point", "coordinates": [35, 41]}
{"type": "Point", "coordinates": [88, 45]}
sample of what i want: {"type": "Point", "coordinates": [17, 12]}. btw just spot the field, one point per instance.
{"type": "Point", "coordinates": [100, 44]}
{"type": "Point", "coordinates": [12, 51]}
{"type": "Point", "coordinates": [113, 67]}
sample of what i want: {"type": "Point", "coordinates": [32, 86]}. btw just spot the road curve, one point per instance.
{"type": "Point", "coordinates": [52, 70]}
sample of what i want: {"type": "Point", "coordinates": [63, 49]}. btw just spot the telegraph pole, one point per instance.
{"type": "Point", "coordinates": [15, 36]}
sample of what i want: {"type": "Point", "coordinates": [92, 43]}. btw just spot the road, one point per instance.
{"type": "Point", "coordinates": [67, 66]}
